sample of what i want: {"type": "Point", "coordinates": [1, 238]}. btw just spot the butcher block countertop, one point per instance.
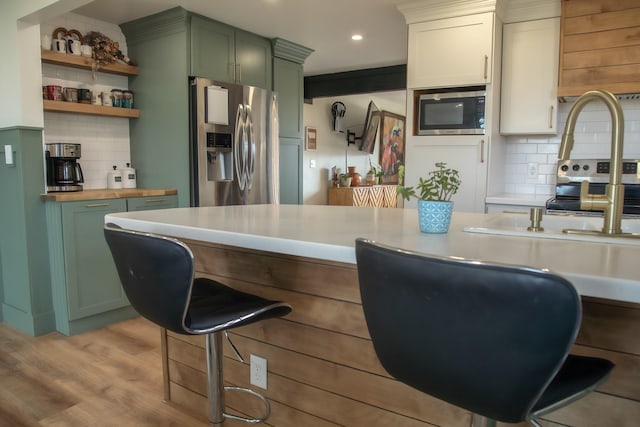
{"type": "Point", "coordinates": [73, 196]}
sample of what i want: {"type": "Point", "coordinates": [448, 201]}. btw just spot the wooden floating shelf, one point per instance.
{"type": "Point", "coordinates": [82, 62]}
{"type": "Point", "coordinates": [94, 110]}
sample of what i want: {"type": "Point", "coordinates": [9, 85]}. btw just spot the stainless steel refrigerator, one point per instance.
{"type": "Point", "coordinates": [234, 144]}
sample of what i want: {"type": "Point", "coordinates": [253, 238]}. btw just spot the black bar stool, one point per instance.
{"type": "Point", "coordinates": [157, 274]}
{"type": "Point", "coordinates": [492, 339]}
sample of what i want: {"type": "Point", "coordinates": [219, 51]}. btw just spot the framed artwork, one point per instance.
{"type": "Point", "coordinates": [392, 145]}
{"type": "Point", "coordinates": [311, 138]}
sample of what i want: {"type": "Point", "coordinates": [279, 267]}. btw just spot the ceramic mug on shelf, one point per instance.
{"type": "Point", "coordinates": [54, 93]}
{"type": "Point", "coordinates": [73, 46]}
{"type": "Point", "coordinates": [45, 42]}
{"type": "Point", "coordinates": [60, 45]}
{"type": "Point", "coordinates": [84, 96]}
{"type": "Point", "coordinates": [86, 50]}
{"type": "Point", "coordinates": [96, 97]}
{"type": "Point", "coordinates": [107, 99]}
{"type": "Point", "coordinates": [70, 94]}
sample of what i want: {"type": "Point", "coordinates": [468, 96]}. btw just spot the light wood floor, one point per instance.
{"type": "Point", "coordinates": [108, 377]}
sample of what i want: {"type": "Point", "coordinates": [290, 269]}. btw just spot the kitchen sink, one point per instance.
{"type": "Point", "coordinates": [516, 224]}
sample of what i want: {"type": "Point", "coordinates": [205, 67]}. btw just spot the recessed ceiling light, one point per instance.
{"type": "Point", "coordinates": [356, 37]}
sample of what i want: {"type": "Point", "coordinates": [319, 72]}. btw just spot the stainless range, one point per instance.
{"type": "Point", "coordinates": [572, 172]}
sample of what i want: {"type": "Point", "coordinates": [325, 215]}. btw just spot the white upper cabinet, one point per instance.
{"type": "Point", "coordinates": [530, 77]}
{"type": "Point", "coordinates": [450, 52]}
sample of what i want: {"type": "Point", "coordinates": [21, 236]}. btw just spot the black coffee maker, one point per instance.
{"type": "Point", "coordinates": [63, 170]}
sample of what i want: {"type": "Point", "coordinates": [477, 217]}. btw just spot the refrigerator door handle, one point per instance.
{"type": "Point", "coordinates": [251, 153]}
{"type": "Point", "coordinates": [239, 150]}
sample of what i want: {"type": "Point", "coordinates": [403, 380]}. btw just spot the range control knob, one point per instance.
{"type": "Point", "coordinates": [585, 167]}
{"type": "Point", "coordinates": [576, 168]}
{"type": "Point", "coordinates": [564, 168]}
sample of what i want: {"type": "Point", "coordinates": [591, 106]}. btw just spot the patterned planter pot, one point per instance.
{"type": "Point", "coordinates": [434, 216]}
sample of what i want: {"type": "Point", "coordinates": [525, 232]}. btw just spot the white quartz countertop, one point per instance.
{"type": "Point", "coordinates": [600, 270]}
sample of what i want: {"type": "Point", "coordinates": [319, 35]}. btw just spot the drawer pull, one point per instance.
{"type": "Point", "coordinates": [154, 200]}
{"type": "Point", "coordinates": [96, 205]}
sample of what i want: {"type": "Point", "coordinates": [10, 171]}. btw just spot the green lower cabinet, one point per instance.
{"type": "Point", "coordinates": [87, 292]}
{"type": "Point", "coordinates": [93, 286]}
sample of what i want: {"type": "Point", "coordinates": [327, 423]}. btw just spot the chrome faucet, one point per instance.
{"type": "Point", "coordinates": [612, 201]}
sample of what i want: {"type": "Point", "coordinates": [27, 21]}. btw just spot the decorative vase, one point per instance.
{"type": "Point", "coordinates": [356, 179]}
{"type": "Point", "coordinates": [370, 179]}
{"type": "Point", "coordinates": [434, 216]}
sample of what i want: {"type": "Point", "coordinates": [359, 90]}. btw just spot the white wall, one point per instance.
{"type": "Point", "coordinates": [105, 140]}
{"type": "Point", "coordinates": [332, 147]}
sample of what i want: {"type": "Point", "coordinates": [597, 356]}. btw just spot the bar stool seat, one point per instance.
{"type": "Point", "coordinates": [157, 275]}
{"type": "Point", "coordinates": [492, 339]}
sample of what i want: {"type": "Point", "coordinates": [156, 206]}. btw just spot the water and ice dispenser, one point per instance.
{"type": "Point", "coordinates": [219, 156]}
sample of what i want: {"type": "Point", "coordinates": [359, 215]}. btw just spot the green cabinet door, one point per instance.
{"type": "Point", "coordinates": [288, 81]}
{"type": "Point", "coordinates": [93, 285]}
{"type": "Point", "coordinates": [291, 171]}
{"type": "Point", "coordinates": [221, 52]}
{"type": "Point", "coordinates": [149, 203]}
{"type": "Point", "coordinates": [253, 59]}
{"type": "Point", "coordinates": [212, 49]}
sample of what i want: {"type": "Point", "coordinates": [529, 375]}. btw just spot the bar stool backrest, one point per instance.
{"type": "Point", "coordinates": [156, 274]}
{"type": "Point", "coordinates": [487, 338]}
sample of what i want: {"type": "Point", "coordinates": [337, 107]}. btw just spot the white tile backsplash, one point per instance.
{"type": "Point", "coordinates": [592, 140]}
{"type": "Point", "coordinates": [105, 140]}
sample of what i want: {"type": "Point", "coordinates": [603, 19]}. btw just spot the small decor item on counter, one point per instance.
{"type": "Point", "coordinates": [335, 176]}
{"type": "Point", "coordinates": [70, 94]}
{"type": "Point", "coordinates": [84, 96]}
{"type": "Point", "coordinates": [116, 97]}
{"type": "Point", "coordinates": [356, 179]}
{"type": "Point", "coordinates": [434, 199]}
{"type": "Point", "coordinates": [127, 99]}
{"type": "Point", "coordinates": [129, 177]}
{"type": "Point", "coordinates": [345, 180]}
{"type": "Point", "coordinates": [114, 178]}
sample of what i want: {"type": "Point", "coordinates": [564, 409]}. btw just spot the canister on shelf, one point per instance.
{"type": "Point", "coordinates": [114, 178]}
{"type": "Point", "coordinates": [128, 177]}
{"type": "Point", "coordinates": [127, 99]}
{"type": "Point", "coordinates": [116, 95]}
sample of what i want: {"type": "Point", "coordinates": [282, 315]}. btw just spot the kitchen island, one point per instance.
{"type": "Point", "coordinates": [322, 370]}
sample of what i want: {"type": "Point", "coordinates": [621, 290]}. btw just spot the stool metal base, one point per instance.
{"type": "Point", "coordinates": [480, 421]}
{"type": "Point", "coordinates": [216, 388]}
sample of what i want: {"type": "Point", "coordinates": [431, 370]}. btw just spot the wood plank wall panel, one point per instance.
{"type": "Point", "coordinates": [600, 46]}
{"type": "Point", "coordinates": [322, 369]}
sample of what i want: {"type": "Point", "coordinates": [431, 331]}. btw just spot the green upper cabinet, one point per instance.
{"type": "Point", "coordinates": [212, 49]}
{"type": "Point", "coordinates": [221, 52]}
{"type": "Point", "coordinates": [289, 83]}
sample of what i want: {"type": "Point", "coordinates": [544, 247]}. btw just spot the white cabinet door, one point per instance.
{"type": "Point", "coordinates": [467, 154]}
{"type": "Point", "coordinates": [530, 77]}
{"type": "Point", "coordinates": [450, 52]}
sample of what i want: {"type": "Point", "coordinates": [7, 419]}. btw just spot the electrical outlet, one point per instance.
{"type": "Point", "coordinates": [532, 170]}
{"type": "Point", "coordinates": [258, 371]}
{"type": "Point", "coordinates": [312, 163]}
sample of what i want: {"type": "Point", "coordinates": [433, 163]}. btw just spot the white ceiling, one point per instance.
{"type": "Point", "coordinates": [325, 26]}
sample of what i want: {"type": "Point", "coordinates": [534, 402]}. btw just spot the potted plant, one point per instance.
{"type": "Point", "coordinates": [434, 197]}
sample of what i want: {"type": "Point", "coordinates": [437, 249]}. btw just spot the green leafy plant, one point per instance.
{"type": "Point", "coordinates": [441, 184]}
{"type": "Point", "coordinates": [377, 171]}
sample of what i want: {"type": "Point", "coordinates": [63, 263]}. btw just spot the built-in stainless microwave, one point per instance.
{"type": "Point", "coordinates": [457, 111]}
